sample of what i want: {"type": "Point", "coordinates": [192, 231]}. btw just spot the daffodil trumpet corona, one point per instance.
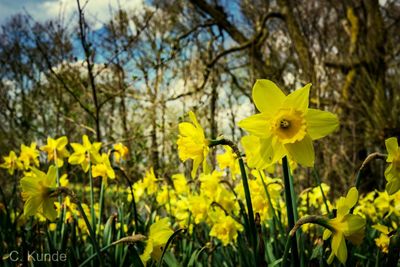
{"type": "Point", "coordinates": [286, 126]}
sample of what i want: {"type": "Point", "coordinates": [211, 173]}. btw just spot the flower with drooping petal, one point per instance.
{"type": "Point", "coordinates": [346, 225]}
{"type": "Point", "coordinates": [192, 143]}
{"type": "Point", "coordinates": [103, 169]}
{"type": "Point", "coordinates": [56, 149]}
{"type": "Point", "coordinates": [285, 124]}
{"type": "Point", "coordinates": [392, 172]}
{"type": "Point", "coordinates": [29, 155]}
{"type": "Point", "coordinates": [159, 234]}
{"type": "Point", "coordinates": [11, 163]}
{"type": "Point", "coordinates": [37, 187]}
{"type": "Point", "coordinates": [85, 153]}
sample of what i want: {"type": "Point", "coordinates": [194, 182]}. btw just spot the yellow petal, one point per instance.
{"type": "Point", "coordinates": [251, 146]}
{"type": "Point", "coordinates": [302, 151]}
{"type": "Point", "coordinates": [381, 228]}
{"type": "Point", "coordinates": [393, 186]}
{"type": "Point", "coordinates": [186, 129]}
{"type": "Point", "coordinates": [392, 147]}
{"type": "Point", "coordinates": [339, 247]}
{"type": "Point", "coordinates": [327, 233]}
{"type": "Point", "coordinates": [298, 99]}
{"type": "Point", "coordinates": [32, 205]}
{"type": "Point", "coordinates": [85, 141]}
{"type": "Point", "coordinates": [267, 97]}
{"type": "Point", "coordinates": [320, 123]}
{"type": "Point", "coordinates": [196, 163]}
{"type": "Point", "coordinates": [51, 176]}
{"type": "Point", "coordinates": [352, 197]}
{"type": "Point", "coordinates": [48, 210]}
{"type": "Point", "coordinates": [257, 125]}
{"type": "Point", "coordinates": [266, 149]}
{"type": "Point", "coordinates": [62, 142]}
{"type": "Point", "coordinates": [193, 118]}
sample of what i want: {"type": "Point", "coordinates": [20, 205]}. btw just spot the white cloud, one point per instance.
{"type": "Point", "coordinates": [97, 11]}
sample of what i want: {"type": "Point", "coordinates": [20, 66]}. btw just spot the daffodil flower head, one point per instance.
{"type": "Point", "coordinates": [225, 228]}
{"type": "Point", "coordinates": [346, 225]}
{"type": "Point", "coordinates": [103, 169]}
{"type": "Point", "coordinates": [192, 143]}
{"type": "Point", "coordinates": [56, 150]}
{"type": "Point", "coordinates": [229, 160]}
{"type": "Point", "coordinates": [85, 153]}
{"type": "Point", "coordinates": [29, 155]}
{"type": "Point", "coordinates": [11, 163]}
{"type": "Point", "coordinates": [120, 152]}
{"type": "Point", "coordinates": [392, 172]}
{"type": "Point", "coordinates": [159, 234]}
{"type": "Point", "coordinates": [180, 183]}
{"type": "Point", "coordinates": [37, 188]}
{"type": "Point", "coordinates": [285, 124]}
{"type": "Point", "coordinates": [150, 182]}
{"type": "Point", "coordinates": [383, 241]}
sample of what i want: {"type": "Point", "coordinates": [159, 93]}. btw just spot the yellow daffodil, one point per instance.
{"type": "Point", "coordinates": [383, 241]}
{"type": "Point", "coordinates": [85, 153]}
{"type": "Point", "coordinates": [121, 152]}
{"type": "Point", "coordinates": [29, 155]}
{"type": "Point", "coordinates": [103, 169]}
{"type": "Point", "coordinates": [229, 160]}
{"type": "Point", "coordinates": [392, 172]}
{"type": "Point", "coordinates": [346, 225]}
{"type": "Point", "coordinates": [150, 182]}
{"type": "Point", "coordinates": [251, 146]}
{"type": "Point", "coordinates": [192, 144]}
{"type": "Point", "coordinates": [36, 192]}
{"type": "Point", "coordinates": [11, 163]}
{"type": "Point", "coordinates": [286, 126]}
{"type": "Point", "coordinates": [56, 150]}
{"type": "Point", "coordinates": [180, 183]}
{"type": "Point", "coordinates": [198, 205]}
{"type": "Point", "coordinates": [159, 234]}
{"type": "Point", "coordinates": [225, 228]}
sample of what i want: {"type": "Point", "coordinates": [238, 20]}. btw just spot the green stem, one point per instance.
{"type": "Point", "coordinates": [270, 203]}
{"type": "Point", "coordinates": [248, 202]}
{"type": "Point", "coordinates": [101, 203]}
{"type": "Point", "coordinates": [95, 254]}
{"type": "Point", "coordinates": [91, 232]}
{"type": "Point", "coordinates": [318, 181]}
{"type": "Point", "coordinates": [289, 207]}
{"type": "Point", "coordinates": [250, 213]}
{"type": "Point", "coordinates": [92, 214]}
{"type": "Point", "coordinates": [304, 220]}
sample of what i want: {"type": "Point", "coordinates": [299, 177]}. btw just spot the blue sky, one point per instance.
{"type": "Point", "coordinates": [97, 10]}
